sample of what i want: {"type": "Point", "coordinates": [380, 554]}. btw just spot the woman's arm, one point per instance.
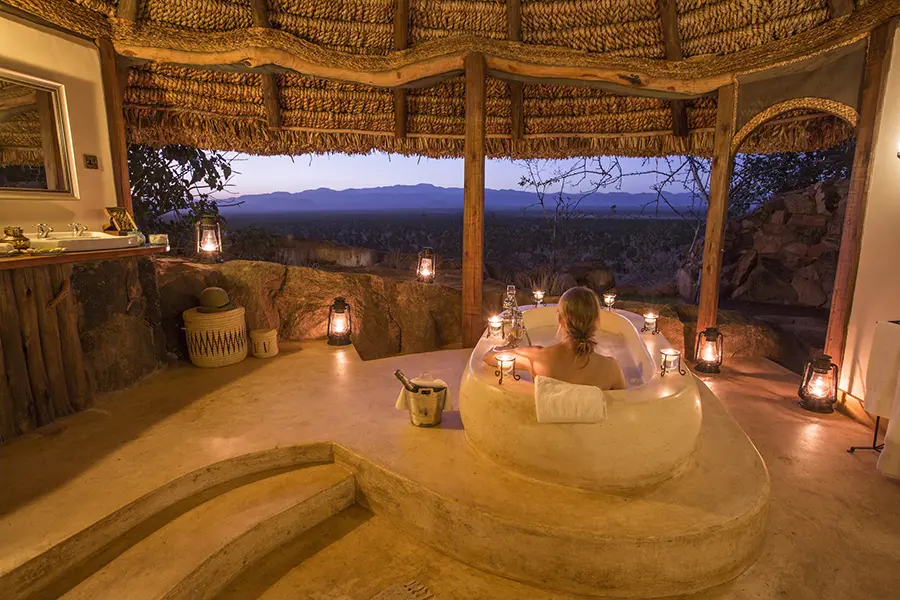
{"type": "Point", "coordinates": [524, 356]}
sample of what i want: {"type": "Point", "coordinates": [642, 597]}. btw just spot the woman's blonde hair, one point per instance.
{"type": "Point", "coordinates": [579, 310]}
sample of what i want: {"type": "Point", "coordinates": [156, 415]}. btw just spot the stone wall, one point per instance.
{"type": "Point", "coordinates": [785, 252]}
{"type": "Point", "coordinates": [119, 320]}
{"type": "Point", "coordinates": [390, 315]}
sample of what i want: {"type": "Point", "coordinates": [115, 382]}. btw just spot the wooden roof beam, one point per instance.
{"type": "Point", "coordinates": [401, 42]}
{"type": "Point", "coordinates": [128, 9]}
{"type": "Point", "coordinates": [516, 88]}
{"type": "Point", "coordinates": [258, 49]}
{"type": "Point", "coordinates": [269, 80]}
{"type": "Point", "coordinates": [668, 14]}
{"type": "Point", "coordinates": [840, 8]}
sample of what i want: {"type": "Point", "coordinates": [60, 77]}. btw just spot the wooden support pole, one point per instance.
{"type": "Point", "coordinates": [14, 356]}
{"type": "Point", "coordinates": [717, 212]}
{"type": "Point", "coordinates": [473, 207]}
{"type": "Point", "coordinates": [516, 88]}
{"type": "Point", "coordinates": [73, 356]}
{"type": "Point", "coordinates": [271, 99]}
{"type": "Point", "coordinates": [115, 121]}
{"type": "Point", "coordinates": [128, 9]}
{"type": "Point", "coordinates": [401, 42]}
{"type": "Point", "coordinates": [23, 286]}
{"type": "Point", "coordinates": [668, 14]}
{"type": "Point", "coordinates": [874, 77]}
{"type": "Point", "coordinates": [51, 346]}
{"type": "Point", "coordinates": [840, 8]}
{"type": "Point", "coordinates": [50, 146]}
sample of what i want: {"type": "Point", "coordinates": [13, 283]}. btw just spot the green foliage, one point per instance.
{"type": "Point", "coordinates": [172, 186]}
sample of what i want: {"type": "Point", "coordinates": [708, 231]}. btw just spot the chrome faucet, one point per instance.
{"type": "Point", "coordinates": [44, 231]}
{"type": "Point", "coordinates": [77, 229]}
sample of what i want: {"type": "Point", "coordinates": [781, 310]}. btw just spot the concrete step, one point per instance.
{"type": "Point", "coordinates": [199, 552]}
{"type": "Point", "coordinates": [355, 555]}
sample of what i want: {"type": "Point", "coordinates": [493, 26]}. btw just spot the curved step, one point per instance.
{"type": "Point", "coordinates": [197, 554]}
{"type": "Point", "coordinates": [45, 575]}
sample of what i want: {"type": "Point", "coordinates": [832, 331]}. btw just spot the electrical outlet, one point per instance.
{"type": "Point", "coordinates": [91, 161]}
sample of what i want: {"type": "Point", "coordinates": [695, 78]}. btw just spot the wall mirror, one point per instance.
{"type": "Point", "coordinates": [35, 154]}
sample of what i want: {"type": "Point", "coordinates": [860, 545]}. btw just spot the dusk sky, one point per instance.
{"type": "Point", "coordinates": [262, 174]}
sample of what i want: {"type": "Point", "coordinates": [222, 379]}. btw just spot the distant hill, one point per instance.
{"type": "Point", "coordinates": [429, 199]}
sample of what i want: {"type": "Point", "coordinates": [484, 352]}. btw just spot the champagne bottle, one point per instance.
{"type": "Point", "coordinates": [406, 382]}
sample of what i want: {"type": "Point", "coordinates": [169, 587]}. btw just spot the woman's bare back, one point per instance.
{"type": "Point", "coordinates": [561, 362]}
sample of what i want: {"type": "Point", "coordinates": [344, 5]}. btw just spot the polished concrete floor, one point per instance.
{"type": "Point", "coordinates": [834, 524]}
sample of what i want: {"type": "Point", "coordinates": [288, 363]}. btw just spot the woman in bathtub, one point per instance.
{"type": "Point", "coordinates": [573, 359]}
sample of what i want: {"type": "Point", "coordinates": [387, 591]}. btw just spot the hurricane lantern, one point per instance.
{"type": "Point", "coordinates": [209, 237]}
{"type": "Point", "coordinates": [425, 268]}
{"type": "Point", "coordinates": [818, 389]}
{"type": "Point", "coordinates": [506, 367]}
{"type": "Point", "coordinates": [670, 362]}
{"type": "Point", "coordinates": [710, 350]}
{"type": "Point", "coordinates": [339, 323]}
{"type": "Point", "coordinates": [538, 297]}
{"type": "Point", "coordinates": [651, 323]}
{"type": "Point", "coordinates": [609, 299]}
{"type": "Point", "coordinates": [495, 326]}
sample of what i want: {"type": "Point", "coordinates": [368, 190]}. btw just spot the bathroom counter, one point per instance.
{"type": "Point", "coordinates": [36, 260]}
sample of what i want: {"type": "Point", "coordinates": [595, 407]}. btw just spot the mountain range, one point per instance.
{"type": "Point", "coordinates": [427, 198]}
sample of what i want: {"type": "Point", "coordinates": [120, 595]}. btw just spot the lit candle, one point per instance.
{"type": "Point", "coordinates": [538, 297]}
{"type": "Point", "coordinates": [506, 362]}
{"type": "Point", "coordinates": [819, 385]}
{"type": "Point", "coordinates": [609, 299]}
{"type": "Point", "coordinates": [495, 325]}
{"type": "Point", "coordinates": [671, 360]}
{"type": "Point", "coordinates": [650, 320]}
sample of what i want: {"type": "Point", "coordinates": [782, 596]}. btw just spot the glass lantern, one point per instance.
{"type": "Point", "coordinates": [425, 268]}
{"type": "Point", "coordinates": [710, 351]}
{"type": "Point", "coordinates": [506, 367]}
{"type": "Point", "coordinates": [670, 362]}
{"type": "Point", "coordinates": [609, 299]}
{"type": "Point", "coordinates": [339, 323]}
{"type": "Point", "coordinates": [209, 237]}
{"type": "Point", "coordinates": [651, 323]}
{"type": "Point", "coordinates": [818, 389]}
{"type": "Point", "coordinates": [538, 297]}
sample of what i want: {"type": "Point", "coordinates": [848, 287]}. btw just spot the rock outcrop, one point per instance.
{"type": "Point", "coordinates": [785, 252]}
{"type": "Point", "coordinates": [390, 315]}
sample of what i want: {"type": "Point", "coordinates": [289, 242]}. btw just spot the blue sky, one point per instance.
{"type": "Point", "coordinates": [262, 174]}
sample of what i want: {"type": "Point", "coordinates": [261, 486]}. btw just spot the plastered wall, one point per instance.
{"type": "Point", "coordinates": [877, 293]}
{"type": "Point", "coordinates": [75, 63]}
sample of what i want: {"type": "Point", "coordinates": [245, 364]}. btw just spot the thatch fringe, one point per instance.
{"type": "Point", "coordinates": [29, 157]}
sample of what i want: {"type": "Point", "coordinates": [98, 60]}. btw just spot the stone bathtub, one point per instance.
{"type": "Point", "coordinates": [648, 435]}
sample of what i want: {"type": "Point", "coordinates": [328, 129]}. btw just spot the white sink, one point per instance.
{"type": "Point", "coordinates": [89, 240]}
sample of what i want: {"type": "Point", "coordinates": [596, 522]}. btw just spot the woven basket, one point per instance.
{"type": "Point", "coordinates": [216, 339]}
{"type": "Point", "coordinates": [264, 342]}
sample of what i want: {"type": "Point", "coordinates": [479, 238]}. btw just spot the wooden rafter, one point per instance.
{"type": "Point", "coordinates": [840, 8]}
{"type": "Point", "coordinates": [274, 50]}
{"type": "Point", "coordinates": [128, 9]}
{"type": "Point", "coordinates": [875, 76]}
{"type": "Point", "coordinates": [716, 215]}
{"type": "Point", "coordinates": [516, 88]}
{"type": "Point", "coordinates": [269, 80]}
{"type": "Point", "coordinates": [401, 42]}
{"type": "Point", "coordinates": [668, 14]}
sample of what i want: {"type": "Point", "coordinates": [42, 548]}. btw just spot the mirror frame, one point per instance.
{"type": "Point", "coordinates": [64, 142]}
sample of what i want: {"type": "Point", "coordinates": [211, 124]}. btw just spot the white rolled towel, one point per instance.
{"type": "Point", "coordinates": [557, 401]}
{"type": "Point", "coordinates": [883, 372]}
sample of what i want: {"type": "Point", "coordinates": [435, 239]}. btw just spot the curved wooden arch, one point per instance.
{"type": "Point", "coordinates": [831, 107]}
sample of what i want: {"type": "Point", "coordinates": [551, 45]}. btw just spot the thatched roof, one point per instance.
{"type": "Point", "coordinates": [20, 128]}
{"type": "Point", "coordinates": [221, 106]}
